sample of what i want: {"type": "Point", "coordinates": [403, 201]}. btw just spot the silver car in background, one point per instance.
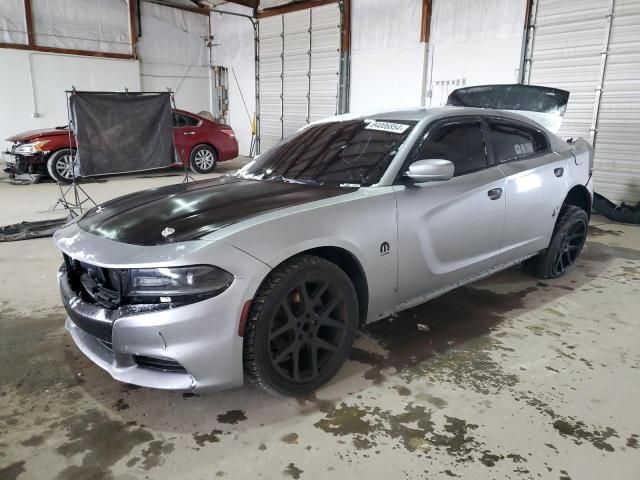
{"type": "Point", "coordinates": [267, 274]}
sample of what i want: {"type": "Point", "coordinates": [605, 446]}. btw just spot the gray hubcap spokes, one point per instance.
{"type": "Point", "coordinates": [64, 166]}
{"type": "Point", "coordinates": [570, 247]}
{"type": "Point", "coordinates": [204, 159]}
{"type": "Point", "coordinates": [307, 331]}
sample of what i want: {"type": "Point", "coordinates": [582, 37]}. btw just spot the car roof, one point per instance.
{"type": "Point", "coordinates": [418, 114]}
{"type": "Point", "coordinates": [428, 114]}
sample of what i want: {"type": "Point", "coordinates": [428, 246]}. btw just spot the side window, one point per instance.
{"type": "Point", "coordinates": [512, 141]}
{"type": "Point", "coordinates": [180, 120]}
{"type": "Point", "coordinates": [461, 143]}
{"type": "Point", "coordinates": [190, 121]}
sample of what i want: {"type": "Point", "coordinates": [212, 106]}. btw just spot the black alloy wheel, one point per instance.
{"type": "Point", "coordinates": [301, 326]}
{"type": "Point", "coordinates": [566, 244]}
{"type": "Point", "coordinates": [569, 248]}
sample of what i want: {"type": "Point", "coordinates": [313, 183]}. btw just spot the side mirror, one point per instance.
{"type": "Point", "coordinates": [430, 170]}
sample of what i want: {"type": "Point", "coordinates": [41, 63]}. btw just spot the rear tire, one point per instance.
{"type": "Point", "coordinates": [301, 326]}
{"type": "Point", "coordinates": [566, 244]}
{"type": "Point", "coordinates": [60, 165]}
{"type": "Point", "coordinates": [203, 159]}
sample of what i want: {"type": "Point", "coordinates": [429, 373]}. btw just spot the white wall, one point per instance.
{"type": "Point", "coordinates": [173, 54]}
{"type": "Point", "coordinates": [474, 42]}
{"type": "Point", "coordinates": [233, 48]}
{"type": "Point", "coordinates": [53, 74]}
{"type": "Point", "coordinates": [172, 49]}
{"type": "Point", "coordinates": [387, 58]}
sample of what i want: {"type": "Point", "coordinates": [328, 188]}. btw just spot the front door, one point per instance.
{"type": "Point", "coordinates": [449, 231]}
{"type": "Point", "coordinates": [186, 135]}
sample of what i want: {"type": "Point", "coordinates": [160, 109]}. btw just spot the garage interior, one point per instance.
{"type": "Point", "coordinates": [509, 377]}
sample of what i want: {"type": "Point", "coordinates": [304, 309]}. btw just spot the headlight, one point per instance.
{"type": "Point", "coordinates": [31, 148]}
{"type": "Point", "coordinates": [178, 281]}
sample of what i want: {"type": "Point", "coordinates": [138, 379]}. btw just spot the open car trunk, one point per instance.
{"type": "Point", "coordinates": [544, 105]}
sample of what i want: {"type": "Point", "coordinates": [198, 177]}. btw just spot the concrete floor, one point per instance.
{"type": "Point", "coordinates": [514, 378]}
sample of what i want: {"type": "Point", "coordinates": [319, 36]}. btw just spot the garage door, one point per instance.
{"type": "Point", "coordinates": [580, 46]}
{"type": "Point", "coordinates": [299, 70]}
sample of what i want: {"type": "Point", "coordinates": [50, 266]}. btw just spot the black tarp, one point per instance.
{"type": "Point", "coordinates": [122, 132]}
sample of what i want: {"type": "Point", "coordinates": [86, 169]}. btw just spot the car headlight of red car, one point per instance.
{"type": "Point", "coordinates": [30, 148]}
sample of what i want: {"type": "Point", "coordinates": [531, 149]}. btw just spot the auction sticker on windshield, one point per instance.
{"type": "Point", "coordinates": [387, 126]}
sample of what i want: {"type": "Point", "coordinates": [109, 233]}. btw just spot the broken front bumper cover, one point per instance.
{"type": "Point", "coordinates": [201, 337]}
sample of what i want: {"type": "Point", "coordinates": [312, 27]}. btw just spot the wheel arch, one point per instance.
{"type": "Point", "coordinates": [345, 260]}
{"type": "Point", "coordinates": [208, 144]}
{"type": "Point", "coordinates": [579, 196]}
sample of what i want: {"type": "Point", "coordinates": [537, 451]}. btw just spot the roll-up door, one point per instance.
{"type": "Point", "coordinates": [592, 49]}
{"type": "Point", "coordinates": [299, 70]}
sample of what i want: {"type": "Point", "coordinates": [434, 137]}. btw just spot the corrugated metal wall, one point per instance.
{"type": "Point", "coordinates": [299, 70]}
{"type": "Point", "coordinates": [618, 127]}
{"type": "Point", "coordinates": [592, 49]}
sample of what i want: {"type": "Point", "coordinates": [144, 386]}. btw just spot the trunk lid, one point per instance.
{"type": "Point", "coordinates": [544, 105]}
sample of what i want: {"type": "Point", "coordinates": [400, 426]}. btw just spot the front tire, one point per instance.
{"type": "Point", "coordinates": [60, 165]}
{"type": "Point", "coordinates": [203, 159]}
{"type": "Point", "coordinates": [301, 326]}
{"type": "Point", "coordinates": [565, 246]}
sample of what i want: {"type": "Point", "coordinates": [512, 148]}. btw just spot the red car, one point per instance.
{"type": "Point", "coordinates": [200, 143]}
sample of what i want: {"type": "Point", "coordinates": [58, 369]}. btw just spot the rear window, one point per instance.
{"type": "Point", "coordinates": [512, 141]}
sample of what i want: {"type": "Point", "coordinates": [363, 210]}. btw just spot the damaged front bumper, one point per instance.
{"type": "Point", "coordinates": [193, 347]}
{"type": "Point", "coordinates": [23, 164]}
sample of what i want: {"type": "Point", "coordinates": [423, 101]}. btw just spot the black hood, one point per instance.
{"type": "Point", "coordinates": [195, 209]}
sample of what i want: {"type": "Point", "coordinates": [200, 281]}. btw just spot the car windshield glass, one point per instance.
{"type": "Point", "coordinates": [353, 152]}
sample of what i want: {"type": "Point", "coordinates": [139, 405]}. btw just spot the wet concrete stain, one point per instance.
{"type": "Point", "coordinates": [153, 455]}
{"type": "Point", "coordinates": [632, 441]}
{"type": "Point", "coordinates": [578, 430]}
{"type": "Point", "coordinates": [203, 438]}
{"type": "Point", "coordinates": [290, 438]}
{"type": "Point", "coordinates": [104, 440]}
{"type": "Point", "coordinates": [414, 429]}
{"type": "Point", "coordinates": [462, 316]}
{"type": "Point", "coordinates": [293, 471]}
{"type": "Point", "coordinates": [12, 471]}
{"type": "Point", "coordinates": [594, 232]}
{"type": "Point", "coordinates": [433, 400]}
{"type": "Point", "coordinates": [33, 441]}
{"type": "Point", "coordinates": [121, 405]}
{"type": "Point", "coordinates": [402, 390]}
{"type": "Point", "coordinates": [232, 417]}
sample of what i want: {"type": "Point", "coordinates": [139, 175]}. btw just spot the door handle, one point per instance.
{"type": "Point", "coordinates": [558, 172]}
{"type": "Point", "coordinates": [189, 133]}
{"type": "Point", "coordinates": [495, 193]}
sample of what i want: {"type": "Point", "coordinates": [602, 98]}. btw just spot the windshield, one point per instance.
{"type": "Point", "coordinates": [348, 153]}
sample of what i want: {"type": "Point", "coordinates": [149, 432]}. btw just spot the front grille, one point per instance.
{"type": "Point", "coordinates": [160, 364]}
{"type": "Point", "coordinates": [97, 285]}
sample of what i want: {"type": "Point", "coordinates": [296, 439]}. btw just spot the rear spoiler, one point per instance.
{"type": "Point", "coordinates": [544, 105]}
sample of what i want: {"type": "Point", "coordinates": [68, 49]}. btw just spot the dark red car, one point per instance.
{"type": "Point", "coordinates": [200, 143]}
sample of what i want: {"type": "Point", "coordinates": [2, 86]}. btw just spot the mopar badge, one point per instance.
{"type": "Point", "coordinates": [168, 231]}
{"type": "Point", "coordinates": [384, 248]}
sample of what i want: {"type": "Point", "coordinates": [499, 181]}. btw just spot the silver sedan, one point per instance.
{"type": "Point", "coordinates": [265, 275]}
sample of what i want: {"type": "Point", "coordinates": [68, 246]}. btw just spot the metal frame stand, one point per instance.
{"type": "Point", "coordinates": [80, 197]}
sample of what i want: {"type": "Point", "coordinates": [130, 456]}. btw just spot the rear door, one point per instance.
{"type": "Point", "coordinates": [536, 183]}
{"type": "Point", "coordinates": [449, 231]}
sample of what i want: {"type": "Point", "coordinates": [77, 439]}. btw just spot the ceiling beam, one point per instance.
{"type": "Point", "coordinates": [293, 7]}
